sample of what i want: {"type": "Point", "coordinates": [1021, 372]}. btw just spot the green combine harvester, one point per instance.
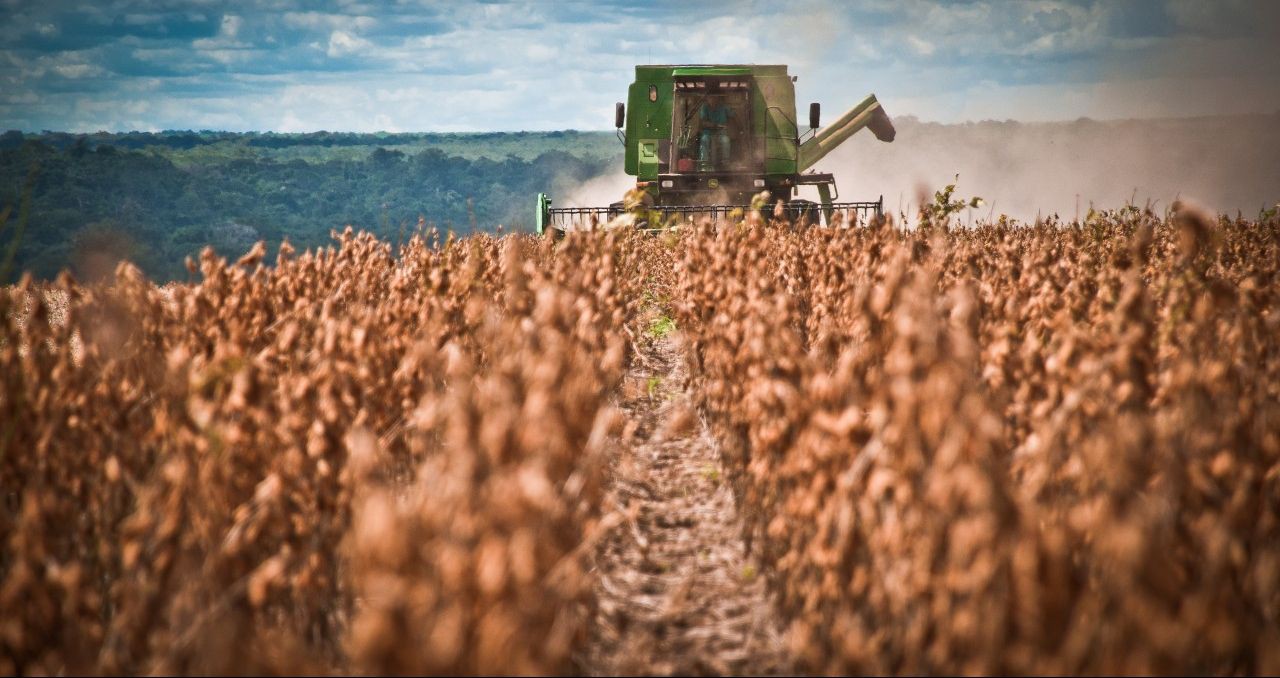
{"type": "Point", "coordinates": [704, 140]}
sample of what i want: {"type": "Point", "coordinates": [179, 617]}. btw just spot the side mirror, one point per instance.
{"type": "Point", "coordinates": [619, 114]}
{"type": "Point", "coordinates": [815, 111]}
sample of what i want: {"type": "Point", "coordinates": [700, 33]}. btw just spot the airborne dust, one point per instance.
{"type": "Point", "coordinates": [1025, 170]}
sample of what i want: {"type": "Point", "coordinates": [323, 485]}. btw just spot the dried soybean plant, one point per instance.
{"type": "Point", "coordinates": [358, 459]}
{"type": "Point", "coordinates": [1031, 449]}
{"type": "Point", "coordinates": [1041, 449]}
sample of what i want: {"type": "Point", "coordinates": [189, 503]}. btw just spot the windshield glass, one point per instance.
{"type": "Point", "coordinates": [710, 126]}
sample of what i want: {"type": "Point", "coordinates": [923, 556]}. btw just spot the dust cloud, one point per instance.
{"type": "Point", "coordinates": [1025, 170]}
{"type": "Point", "coordinates": [599, 191]}
{"type": "Point", "coordinates": [1222, 163]}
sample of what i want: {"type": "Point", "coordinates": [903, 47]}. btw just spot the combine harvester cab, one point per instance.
{"type": "Point", "coordinates": [705, 140]}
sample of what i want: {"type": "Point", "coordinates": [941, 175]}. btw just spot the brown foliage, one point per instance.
{"type": "Point", "coordinates": [1046, 449]}
{"type": "Point", "coordinates": [355, 459]}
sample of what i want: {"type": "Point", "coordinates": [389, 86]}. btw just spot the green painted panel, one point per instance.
{"type": "Point", "coordinates": [648, 166]}
{"type": "Point", "coordinates": [777, 105]}
{"type": "Point", "coordinates": [647, 119]}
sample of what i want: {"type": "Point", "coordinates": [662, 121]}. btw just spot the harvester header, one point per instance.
{"type": "Point", "coordinates": [704, 139]}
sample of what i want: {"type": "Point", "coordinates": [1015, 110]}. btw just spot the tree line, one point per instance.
{"type": "Point", "coordinates": [95, 200]}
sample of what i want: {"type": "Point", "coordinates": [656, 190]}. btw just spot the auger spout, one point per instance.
{"type": "Point", "coordinates": [868, 113]}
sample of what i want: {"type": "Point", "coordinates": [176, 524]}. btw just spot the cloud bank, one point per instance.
{"type": "Point", "coordinates": [292, 65]}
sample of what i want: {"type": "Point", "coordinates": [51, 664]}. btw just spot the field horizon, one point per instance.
{"type": "Point", "coordinates": [158, 198]}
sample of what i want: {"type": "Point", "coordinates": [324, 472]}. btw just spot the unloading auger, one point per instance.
{"type": "Point", "coordinates": [705, 140]}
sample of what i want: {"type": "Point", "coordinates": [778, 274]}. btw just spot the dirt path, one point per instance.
{"type": "Point", "coordinates": [677, 595]}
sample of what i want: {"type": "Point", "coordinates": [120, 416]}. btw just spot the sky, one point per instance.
{"type": "Point", "coordinates": [407, 66]}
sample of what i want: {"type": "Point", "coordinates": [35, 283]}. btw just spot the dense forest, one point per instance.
{"type": "Point", "coordinates": [84, 201]}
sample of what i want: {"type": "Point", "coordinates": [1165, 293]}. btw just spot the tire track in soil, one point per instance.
{"type": "Point", "coordinates": [677, 594]}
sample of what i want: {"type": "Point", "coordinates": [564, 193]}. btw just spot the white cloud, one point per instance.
{"type": "Point", "coordinates": [527, 65]}
{"type": "Point", "coordinates": [228, 56]}
{"type": "Point", "coordinates": [77, 70]}
{"type": "Point", "coordinates": [291, 123]}
{"type": "Point", "coordinates": [921, 46]}
{"type": "Point", "coordinates": [231, 26]}
{"type": "Point", "coordinates": [321, 20]}
{"type": "Point", "coordinates": [228, 32]}
{"type": "Point", "coordinates": [342, 43]}
{"type": "Point", "coordinates": [143, 19]}
{"type": "Point", "coordinates": [540, 52]}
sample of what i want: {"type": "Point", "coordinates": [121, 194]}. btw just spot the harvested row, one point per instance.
{"type": "Point", "coordinates": [359, 459]}
{"type": "Point", "coordinates": [1049, 449]}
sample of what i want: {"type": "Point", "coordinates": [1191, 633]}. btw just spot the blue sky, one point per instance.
{"type": "Point", "coordinates": [293, 65]}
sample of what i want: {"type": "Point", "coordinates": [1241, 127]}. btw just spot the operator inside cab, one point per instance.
{"type": "Point", "coordinates": [711, 121]}
{"type": "Point", "coordinates": [714, 144]}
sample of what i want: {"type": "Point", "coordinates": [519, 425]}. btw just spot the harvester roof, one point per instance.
{"type": "Point", "coordinates": [686, 70]}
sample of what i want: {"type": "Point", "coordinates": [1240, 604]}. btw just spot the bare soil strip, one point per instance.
{"type": "Point", "coordinates": [677, 593]}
